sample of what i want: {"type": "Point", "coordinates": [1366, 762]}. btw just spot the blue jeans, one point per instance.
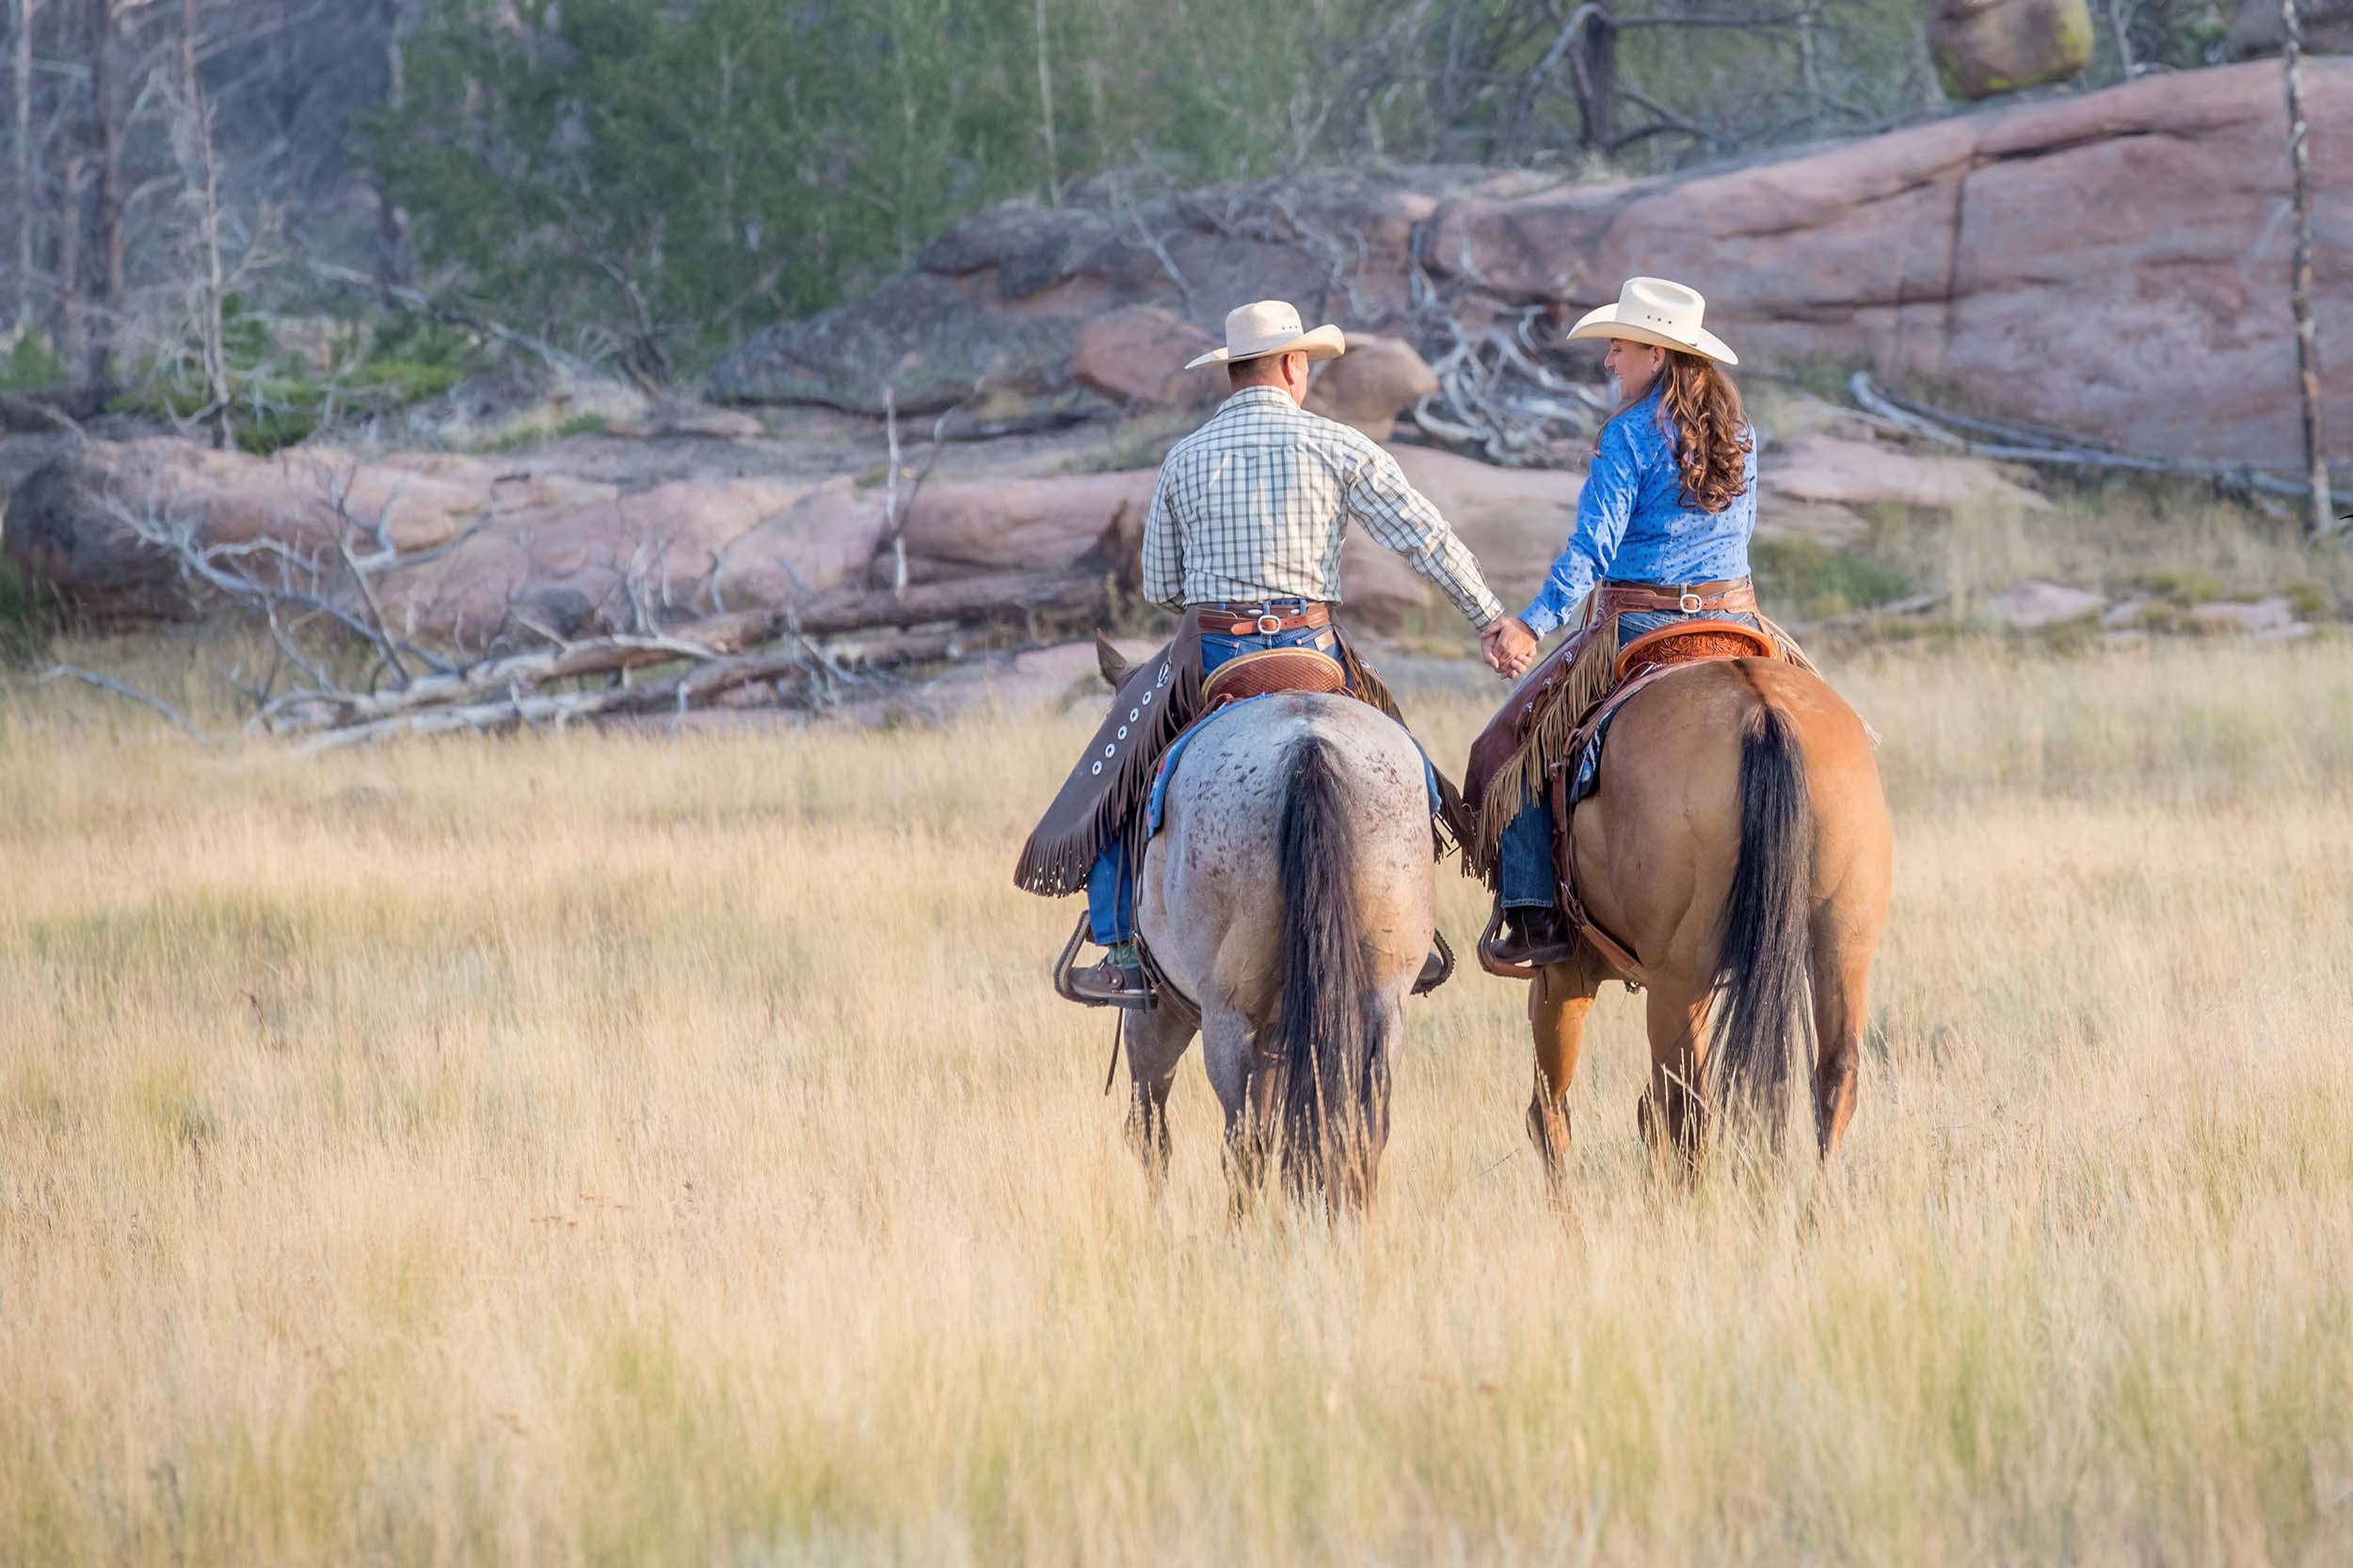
{"type": "Point", "coordinates": [1523, 869]}
{"type": "Point", "coordinates": [1524, 875]}
{"type": "Point", "coordinates": [1112, 880]}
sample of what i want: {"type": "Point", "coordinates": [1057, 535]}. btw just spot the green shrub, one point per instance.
{"type": "Point", "coordinates": [1807, 578]}
{"type": "Point", "coordinates": [2179, 584]}
{"type": "Point", "coordinates": [2308, 599]}
{"type": "Point", "coordinates": [21, 633]}
{"type": "Point", "coordinates": [31, 365]}
{"type": "Point", "coordinates": [280, 398]}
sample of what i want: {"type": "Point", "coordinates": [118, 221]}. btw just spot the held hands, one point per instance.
{"type": "Point", "coordinates": [1509, 646]}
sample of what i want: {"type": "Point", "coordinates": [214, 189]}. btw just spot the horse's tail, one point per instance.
{"type": "Point", "coordinates": [1761, 974]}
{"type": "Point", "coordinates": [1329, 1028]}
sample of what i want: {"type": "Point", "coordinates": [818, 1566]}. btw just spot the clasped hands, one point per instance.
{"type": "Point", "coordinates": [1509, 646]}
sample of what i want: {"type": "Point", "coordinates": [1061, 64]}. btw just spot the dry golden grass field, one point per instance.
{"type": "Point", "coordinates": [598, 1149]}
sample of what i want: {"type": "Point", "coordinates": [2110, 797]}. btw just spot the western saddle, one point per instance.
{"type": "Point", "coordinates": [1640, 663]}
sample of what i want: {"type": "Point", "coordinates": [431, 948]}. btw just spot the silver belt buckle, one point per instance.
{"type": "Point", "coordinates": [1269, 624]}
{"type": "Point", "coordinates": [1690, 604]}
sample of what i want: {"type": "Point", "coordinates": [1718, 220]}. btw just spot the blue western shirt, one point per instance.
{"type": "Point", "coordinates": [1634, 524]}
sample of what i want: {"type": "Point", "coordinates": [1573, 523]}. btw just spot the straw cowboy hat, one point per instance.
{"type": "Point", "coordinates": [1663, 314]}
{"type": "Point", "coordinates": [1271, 326]}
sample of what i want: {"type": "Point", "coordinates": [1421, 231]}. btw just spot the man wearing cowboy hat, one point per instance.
{"type": "Point", "coordinates": [1243, 539]}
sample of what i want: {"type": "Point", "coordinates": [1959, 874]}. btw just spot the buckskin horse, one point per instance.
{"type": "Point", "coordinates": [1736, 851]}
{"type": "Point", "coordinates": [1287, 902]}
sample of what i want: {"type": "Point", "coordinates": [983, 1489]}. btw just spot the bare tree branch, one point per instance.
{"type": "Point", "coordinates": [108, 683]}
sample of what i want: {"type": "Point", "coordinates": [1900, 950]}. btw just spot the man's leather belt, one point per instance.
{"type": "Point", "coordinates": [1238, 620]}
{"type": "Point", "coordinates": [1735, 594]}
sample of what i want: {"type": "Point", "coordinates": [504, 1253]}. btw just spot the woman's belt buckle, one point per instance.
{"type": "Point", "coordinates": [1270, 624]}
{"type": "Point", "coordinates": [1690, 603]}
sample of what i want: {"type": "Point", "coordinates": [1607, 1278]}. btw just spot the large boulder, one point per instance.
{"type": "Point", "coordinates": [1137, 356]}
{"type": "Point", "coordinates": [490, 546]}
{"type": "Point", "coordinates": [1983, 48]}
{"type": "Point", "coordinates": [2109, 262]}
{"type": "Point", "coordinates": [1371, 385]}
{"type": "Point", "coordinates": [959, 527]}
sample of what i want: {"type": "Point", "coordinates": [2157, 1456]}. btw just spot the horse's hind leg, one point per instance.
{"type": "Point", "coordinates": [1155, 1043]}
{"type": "Point", "coordinates": [1245, 1086]}
{"type": "Point", "coordinates": [1558, 1004]}
{"type": "Point", "coordinates": [1841, 976]}
{"type": "Point", "coordinates": [1673, 1114]}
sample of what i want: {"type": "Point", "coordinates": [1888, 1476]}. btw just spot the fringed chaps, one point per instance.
{"type": "Point", "coordinates": [1106, 790]}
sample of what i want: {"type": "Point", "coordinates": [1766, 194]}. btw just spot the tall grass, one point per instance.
{"type": "Point", "coordinates": [596, 1149]}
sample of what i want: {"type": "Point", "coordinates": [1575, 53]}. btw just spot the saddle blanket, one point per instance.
{"type": "Point", "coordinates": [1176, 752]}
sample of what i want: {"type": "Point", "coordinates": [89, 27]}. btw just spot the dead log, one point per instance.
{"type": "Point", "coordinates": [2020, 444]}
{"type": "Point", "coordinates": [340, 673]}
{"type": "Point", "coordinates": [838, 633]}
{"type": "Point", "coordinates": [689, 689]}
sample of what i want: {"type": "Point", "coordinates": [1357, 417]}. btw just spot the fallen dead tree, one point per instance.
{"type": "Point", "coordinates": [832, 651]}
{"type": "Point", "coordinates": [2019, 442]}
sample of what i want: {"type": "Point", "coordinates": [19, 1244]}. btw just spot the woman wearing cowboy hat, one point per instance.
{"type": "Point", "coordinates": [1662, 533]}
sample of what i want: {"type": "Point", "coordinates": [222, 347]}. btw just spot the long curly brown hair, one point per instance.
{"type": "Point", "coordinates": [1701, 405]}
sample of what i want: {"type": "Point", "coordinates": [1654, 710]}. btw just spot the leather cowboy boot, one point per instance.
{"type": "Point", "coordinates": [1118, 981]}
{"type": "Point", "coordinates": [1532, 937]}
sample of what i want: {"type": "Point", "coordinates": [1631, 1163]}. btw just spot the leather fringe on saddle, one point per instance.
{"type": "Point", "coordinates": [1582, 671]}
{"type": "Point", "coordinates": [1105, 794]}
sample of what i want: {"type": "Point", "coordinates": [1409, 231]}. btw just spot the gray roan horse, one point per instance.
{"type": "Point", "coordinates": [1291, 894]}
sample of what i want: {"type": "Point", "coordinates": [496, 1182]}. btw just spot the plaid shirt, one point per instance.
{"type": "Point", "coordinates": [1255, 504]}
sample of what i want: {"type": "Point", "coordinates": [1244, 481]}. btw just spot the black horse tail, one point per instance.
{"type": "Point", "coordinates": [1329, 1033]}
{"type": "Point", "coordinates": [1762, 963]}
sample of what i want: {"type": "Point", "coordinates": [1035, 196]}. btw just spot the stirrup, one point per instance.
{"type": "Point", "coordinates": [1429, 981]}
{"type": "Point", "coordinates": [1487, 959]}
{"type": "Point", "coordinates": [1065, 986]}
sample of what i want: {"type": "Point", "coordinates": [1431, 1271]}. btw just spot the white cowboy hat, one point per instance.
{"type": "Point", "coordinates": [1663, 314]}
{"type": "Point", "coordinates": [1271, 326]}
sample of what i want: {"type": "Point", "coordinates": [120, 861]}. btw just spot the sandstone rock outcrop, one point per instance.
{"type": "Point", "coordinates": [2111, 264]}
{"type": "Point", "coordinates": [492, 540]}
{"type": "Point", "coordinates": [1023, 524]}
{"type": "Point", "coordinates": [489, 541]}
{"type": "Point", "coordinates": [1137, 356]}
